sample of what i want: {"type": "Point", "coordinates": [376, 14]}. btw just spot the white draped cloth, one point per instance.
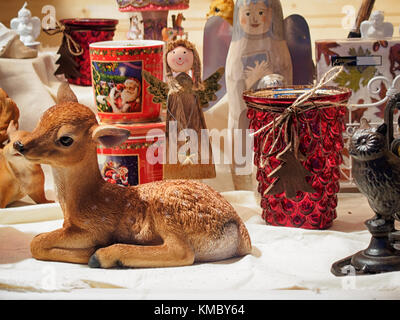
{"type": "Point", "coordinates": [286, 263]}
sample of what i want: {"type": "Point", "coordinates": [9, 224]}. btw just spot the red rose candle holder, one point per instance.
{"type": "Point", "coordinates": [83, 32]}
{"type": "Point", "coordinates": [318, 128]}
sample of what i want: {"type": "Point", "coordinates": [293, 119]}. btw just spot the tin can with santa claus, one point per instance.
{"type": "Point", "coordinates": [138, 160]}
{"type": "Point", "coordinates": [120, 91]}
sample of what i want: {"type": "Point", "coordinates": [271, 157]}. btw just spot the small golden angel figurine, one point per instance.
{"type": "Point", "coordinates": [188, 147]}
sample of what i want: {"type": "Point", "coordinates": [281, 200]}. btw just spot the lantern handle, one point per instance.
{"type": "Point", "coordinates": [392, 105]}
{"type": "Point", "coordinates": [394, 87]}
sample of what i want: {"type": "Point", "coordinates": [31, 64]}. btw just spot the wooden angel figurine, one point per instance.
{"type": "Point", "coordinates": [258, 49]}
{"type": "Point", "coordinates": [264, 48]}
{"type": "Point", "coordinates": [188, 152]}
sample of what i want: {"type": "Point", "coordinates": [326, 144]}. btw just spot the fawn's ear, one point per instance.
{"type": "Point", "coordinates": [110, 136]}
{"type": "Point", "coordinates": [12, 128]}
{"type": "Point", "coordinates": [65, 93]}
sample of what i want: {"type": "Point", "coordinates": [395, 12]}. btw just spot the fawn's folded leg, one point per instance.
{"type": "Point", "coordinates": [63, 245]}
{"type": "Point", "coordinates": [173, 252]}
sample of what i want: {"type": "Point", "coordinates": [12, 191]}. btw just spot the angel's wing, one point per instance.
{"type": "Point", "coordinates": [14, 23]}
{"type": "Point", "coordinates": [364, 26]}
{"type": "Point", "coordinates": [36, 26]}
{"type": "Point", "coordinates": [299, 43]}
{"type": "Point", "coordinates": [216, 41]}
{"type": "Point", "coordinates": [157, 88]}
{"type": "Point", "coordinates": [211, 86]}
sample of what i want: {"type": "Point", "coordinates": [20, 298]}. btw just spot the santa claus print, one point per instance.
{"type": "Point", "coordinates": [120, 89]}
{"type": "Point", "coordinates": [115, 173]}
{"type": "Point", "coordinates": [126, 97]}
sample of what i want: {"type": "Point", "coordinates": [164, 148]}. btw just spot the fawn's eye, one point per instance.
{"type": "Point", "coordinates": [66, 141]}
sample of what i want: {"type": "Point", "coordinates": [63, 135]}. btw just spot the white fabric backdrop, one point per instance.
{"type": "Point", "coordinates": [286, 263]}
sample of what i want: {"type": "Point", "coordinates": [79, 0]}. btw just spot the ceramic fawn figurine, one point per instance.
{"type": "Point", "coordinates": [159, 224]}
{"type": "Point", "coordinates": [19, 177]}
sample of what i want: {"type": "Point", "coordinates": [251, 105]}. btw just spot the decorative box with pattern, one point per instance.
{"type": "Point", "coordinates": [363, 59]}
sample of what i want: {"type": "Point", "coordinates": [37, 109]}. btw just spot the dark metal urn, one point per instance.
{"type": "Point", "coordinates": [376, 171]}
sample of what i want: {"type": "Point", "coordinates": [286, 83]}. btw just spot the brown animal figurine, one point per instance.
{"type": "Point", "coordinates": [18, 176]}
{"type": "Point", "coordinates": [222, 8]}
{"type": "Point", "coordinates": [176, 31]}
{"type": "Point", "coordinates": [8, 111]}
{"type": "Point", "coordinates": [159, 224]}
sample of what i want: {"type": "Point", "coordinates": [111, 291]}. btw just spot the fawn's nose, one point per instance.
{"type": "Point", "coordinates": [19, 146]}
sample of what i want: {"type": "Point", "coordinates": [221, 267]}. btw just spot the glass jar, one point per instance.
{"type": "Point", "coordinates": [319, 132]}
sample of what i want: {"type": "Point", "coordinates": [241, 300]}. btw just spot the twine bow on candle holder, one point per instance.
{"type": "Point", "coordinates": [70, 51]}
{"type": "Point", "coordinates": [73, 47]}
{"type": "Point", "coordinates": [291, 173]}
{"type": "Point", "coordinates": [301, 105]}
